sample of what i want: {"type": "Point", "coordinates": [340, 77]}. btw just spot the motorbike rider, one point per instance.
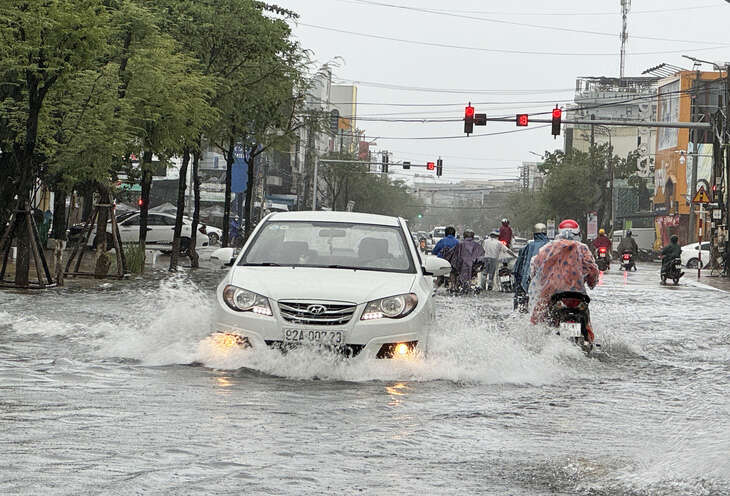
{"type": "Point", "coordinates": [602, 241]}
{"type": "Point", "coordinates": [235, 228]}
{"type": "Point", "coordinates": [521, 270]}
{"type": "Point", "coordinates": [628, 244]}
{"type": "Point", "coordinates": [562, 265]}
{"type": "Point", "coordinates": [505, 233]}
{"type": "Point", "coordinates": [670, 252]}
{"type": "Point", "coordinates": [447, 243]}
{"type": "Point", "coordinates": [493, 251]}
{"type": "Point", "coordinates": [463, 257]}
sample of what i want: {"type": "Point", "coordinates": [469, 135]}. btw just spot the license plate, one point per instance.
{"type": "Point", "coordinates": [570, 329]}
{"type": "Point", "coordinates": [314, 336]}
{"type": "Point", "coordinates": [505, 278]}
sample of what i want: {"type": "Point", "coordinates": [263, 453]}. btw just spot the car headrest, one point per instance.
{"type": "Point", "coordinates": [372, 248]}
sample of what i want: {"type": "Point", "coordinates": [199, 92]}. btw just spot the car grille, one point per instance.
{"type": "Point", "coordinates": [315, 313]}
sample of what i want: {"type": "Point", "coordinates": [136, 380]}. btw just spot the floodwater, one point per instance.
{"type": "Point", "coordinates": [116, 390]}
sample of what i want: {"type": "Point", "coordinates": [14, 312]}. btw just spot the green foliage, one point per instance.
{"type": "Point", "coordinates": [342, 182]}
{"type": "Point", "coordinates": [576, 183]}
{"type": "Point", "coordinates": [134, 256]}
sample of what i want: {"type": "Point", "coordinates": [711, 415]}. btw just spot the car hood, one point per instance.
{"type": "Point", "coordinates": [356, 286]}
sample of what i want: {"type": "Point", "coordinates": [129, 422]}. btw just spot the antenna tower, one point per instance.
{"type": "Point", "coordinates": [625, 8]}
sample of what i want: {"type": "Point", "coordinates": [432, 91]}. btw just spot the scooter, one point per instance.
{"type": "Point", "coordinates": [627, 261]}
{"type": "Point", "coordinates": [472, 288]}
{"type": "Point", "coordinates": [568, 312]}
{"type": "Point", "coordinates": [505, 278]}
{"type": "Point", "coordinates": [673, 271]}
{"type": "Point", "coordinates": [521, 300]}
{"type": "Point", "coordinates": [602, 259]}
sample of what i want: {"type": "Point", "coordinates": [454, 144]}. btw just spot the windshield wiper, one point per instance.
{"type": "Point", "coordinates": [342, 267]}
{"type": "Point", "coordinates": [263, 264]}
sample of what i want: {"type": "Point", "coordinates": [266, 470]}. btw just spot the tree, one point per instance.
{"type": "Point", "coordinates": [43, 43]}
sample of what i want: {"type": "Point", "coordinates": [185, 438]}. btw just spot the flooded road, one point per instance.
{"type": "Point", "coordinates": [116, 391]}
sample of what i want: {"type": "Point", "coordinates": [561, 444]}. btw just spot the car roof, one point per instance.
{"type": "Point", "coordinates": [321, 216]}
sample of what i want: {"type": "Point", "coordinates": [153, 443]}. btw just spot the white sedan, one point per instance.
{"type": "Point", "coordinates": [352, 283]}
{"type": "Point", "coordinates": [691, 254]}
{"type": "Point", "coordinates": [160, 229]}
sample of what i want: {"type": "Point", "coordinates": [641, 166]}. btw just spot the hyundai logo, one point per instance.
{"type": "Point", "coordinates": [316, 309]}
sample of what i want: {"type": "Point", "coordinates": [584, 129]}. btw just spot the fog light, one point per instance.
{"type": "Point", "coordinates": [396, 350]}
{"type": "Point", "coordinates": [228, 340]}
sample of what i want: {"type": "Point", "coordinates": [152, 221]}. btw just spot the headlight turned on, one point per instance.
{"type": "Point", "coordinates": [228, 340]}
{"type": "Point", "coordinates": [392, 307]}
{"type": "Point", "coordinates": [243, 300]}
{"type": "Point", "coordinates": [397, 350]}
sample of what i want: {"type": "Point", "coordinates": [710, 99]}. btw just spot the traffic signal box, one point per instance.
{"type": "Point", "coordinates": [557, 118]}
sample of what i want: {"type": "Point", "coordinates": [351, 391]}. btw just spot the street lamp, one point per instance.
{"type": "Point", "coordinates": [607, 130]}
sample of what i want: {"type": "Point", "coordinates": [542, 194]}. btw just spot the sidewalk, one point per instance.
{"type": "Point", "coordinates": [714, 280]}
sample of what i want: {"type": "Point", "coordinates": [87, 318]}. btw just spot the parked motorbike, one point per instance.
{"type": "Point", "coordinates": [602, 259]}
{"type": "Point", "coordinates": [568, 312]}
{"type": "Point", "coordinates": [627, 261]}
{"type": "Point", "coordinates": [505, 278]}
{"type": "Point", "coordinates": [673, 271]}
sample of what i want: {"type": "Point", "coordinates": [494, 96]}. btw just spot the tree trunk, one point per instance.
{"type": "Point", "coordinates": [59, 215]}
{"type": "Point", "coordinates": [145, 201]}
{"type": "Point", "coordinates": [194, 258]}
{"type": "Point", "coordinates": [181, 187]}
{"type": "Point", "coordinates": [250, 186]}
{"type": "Point", "coordinates": [22, 263]}
{"type": "Point", "coordinates": [103, 260]}
{"type": "Point", "coordinates": [227, 200]}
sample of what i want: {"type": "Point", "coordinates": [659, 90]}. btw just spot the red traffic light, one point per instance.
{"type": "Point", "coordinates": [522, 119]}
{"type": "Point", "coordinates": [469, 112]}
{"type": "Point", "coordinates": [140, 202]}
{"type": "Point", "coordinates": [430, 165]}
{"type": "Point", "coordinates": [557, 113]}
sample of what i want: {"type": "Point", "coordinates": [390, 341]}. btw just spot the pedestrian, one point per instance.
{"type": "Point", "coordinates": [505, 233]}
{"type": "Point", "coordinates": [493, 251]}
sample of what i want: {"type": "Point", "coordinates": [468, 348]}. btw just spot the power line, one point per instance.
{"type": "Point", "coordinates": [460, 136]}
{"type": "Point", "coordinates": [569, 13]}
{"type": "Point", "coordinates": [498, 50]}
{"type": "Point", "coordinates": [524, 24]}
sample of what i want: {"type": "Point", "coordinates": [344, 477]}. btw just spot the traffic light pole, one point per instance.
{"type": "Point", "coordinates": [611, 122]}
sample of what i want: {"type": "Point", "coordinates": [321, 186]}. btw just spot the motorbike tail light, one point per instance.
{"type": "Point", "coordinates": [602, 250]}
{"type": "Point", "coordinates": [627, 256]}
{"type": "Point", "coordinates": [571, 303]}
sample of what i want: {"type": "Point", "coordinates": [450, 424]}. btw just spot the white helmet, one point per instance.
{"type": "Point", "coordinates": [540, 228]}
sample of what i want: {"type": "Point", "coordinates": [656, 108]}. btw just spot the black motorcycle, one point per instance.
{"type": "Point", "coordinates": [505, 278]}
{"type": "Point", "coordinates": [472, 287]}
{"type": "Point", "coordinates": [627, 261]}
{"type": "Point", "coordinates": [568, 312]}
{"type": "Point", "coordinates": [672, 270]}
{"type": "Point", "coordinates": [521, 300]}
{"type": "Point", "coordinates": [602, 259]}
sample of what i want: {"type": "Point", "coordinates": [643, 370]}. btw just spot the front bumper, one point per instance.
{"type": "Point", "coordinates": [362, 338]}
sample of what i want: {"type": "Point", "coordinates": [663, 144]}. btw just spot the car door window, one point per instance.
{"type": "Point", "coordinates": [706, 246]}
{"type": "Point", "coordinates": [156, 220]}
{"type": "Point", "coordinates": [132, 221]}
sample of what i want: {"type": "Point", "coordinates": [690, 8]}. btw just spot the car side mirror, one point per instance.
{"type": "Point", "coordinates": [230, 262]}
{"type": "Point", "coordinates": [435, 266]}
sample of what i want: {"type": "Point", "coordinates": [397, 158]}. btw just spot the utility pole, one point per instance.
{"type": "Point", "coordinates": [726, 191]}
{"type": "Point", "coordinates": [314, 185]}
{"type": "Point", "coordinates": [695, 151]}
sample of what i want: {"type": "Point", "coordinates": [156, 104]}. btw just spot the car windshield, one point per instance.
{"type": "Point", "coordinates": [439, 233]}
{"type": "Point", "coordinates": [330, 244]}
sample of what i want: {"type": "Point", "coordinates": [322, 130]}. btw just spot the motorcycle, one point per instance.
{"type": "Point", "coordinates": [602, 259]}
{"type": "Point", "coordinates": [673, 271]}
{"type": "Point", "coordinates": [568, 312]}
{"type": "Point", "coordinates": [472, 287]}
{"type": "Point", "coordinates": [627, 261]}
{"type": "Point", "coordinates": [521, 300]}
{"type": "Point", "coordinates": [505, 278]}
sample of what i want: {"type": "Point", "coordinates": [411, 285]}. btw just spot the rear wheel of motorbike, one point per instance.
{"type": "Point", "coordinates": [664, 280]}
{"type": "Point", "coordinates": [676, 281]}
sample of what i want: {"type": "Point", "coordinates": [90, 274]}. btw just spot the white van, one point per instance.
{"type": "Point", "coordinates": [644, 237]}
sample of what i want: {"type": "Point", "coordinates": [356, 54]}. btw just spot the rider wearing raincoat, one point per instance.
{"type": "Point", "coordinates": [562, 265]}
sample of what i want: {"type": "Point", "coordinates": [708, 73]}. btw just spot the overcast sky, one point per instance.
{"type": "Point", "coordinates": [441, 75]}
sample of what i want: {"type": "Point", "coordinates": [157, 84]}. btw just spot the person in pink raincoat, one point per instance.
{"type": "Point", "coordinates": [562, 265]}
